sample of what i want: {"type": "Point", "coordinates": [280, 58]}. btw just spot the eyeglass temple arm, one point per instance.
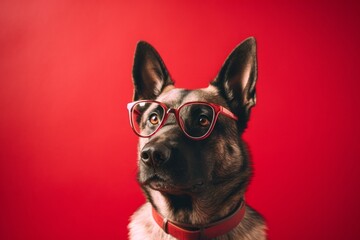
{"type": "Point", "coordinates": [228, 113]}
{"type": "Point", "coordinates": [130, 105]}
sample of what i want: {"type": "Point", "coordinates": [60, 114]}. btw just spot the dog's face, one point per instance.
{"type": "Point", "coordinates": [174, 164]}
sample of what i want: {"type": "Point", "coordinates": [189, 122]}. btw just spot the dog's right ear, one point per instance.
{"type": "Point", "coordinates": [150, 75]}
{"type": "Point", "coordinates": [237, 79]}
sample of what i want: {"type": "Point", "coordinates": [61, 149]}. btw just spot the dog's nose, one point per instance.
{"type": "Point", "coordinates": [155, 155]}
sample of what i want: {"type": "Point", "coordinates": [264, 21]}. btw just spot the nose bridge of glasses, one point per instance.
{"type": "Point", "coordinates": [171, 110]}
{"type": "Point", "coordinates": [168, 111]}
{"type": "Point", "coordinates": [170, 119]}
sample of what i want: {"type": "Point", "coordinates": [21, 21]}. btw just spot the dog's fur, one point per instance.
{"type": "Point", "coordinates": [189, 181]}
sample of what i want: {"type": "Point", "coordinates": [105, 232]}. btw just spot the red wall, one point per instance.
{"type": "Point", "coordinates": [68, 155]}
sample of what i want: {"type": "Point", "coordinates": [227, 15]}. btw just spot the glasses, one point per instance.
{"type": "Point", "coordinates": [196, 119]}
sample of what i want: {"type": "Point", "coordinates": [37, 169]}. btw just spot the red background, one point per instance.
{"type": "Point", "coordinates": [68, 155]}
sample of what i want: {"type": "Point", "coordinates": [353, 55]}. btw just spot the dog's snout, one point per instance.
{"type": "Point", "coordinates": [155, 155]}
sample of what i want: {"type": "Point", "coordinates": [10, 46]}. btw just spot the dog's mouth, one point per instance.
{"type": "Point", "coordinates": [164, 186]}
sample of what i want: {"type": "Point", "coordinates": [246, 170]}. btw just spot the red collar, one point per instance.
{"type": "Point", "coordinates": [189, 232]}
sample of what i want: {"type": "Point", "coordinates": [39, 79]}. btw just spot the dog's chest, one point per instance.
{"type": "Point", "coordinates": [143, 227]}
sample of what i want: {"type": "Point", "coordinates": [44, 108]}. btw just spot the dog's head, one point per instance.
{"type": "Point", "coordinates": [175, 161]}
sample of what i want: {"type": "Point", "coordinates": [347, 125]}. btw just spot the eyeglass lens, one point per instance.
{"type": "Point", "coordinates": [196, 119]}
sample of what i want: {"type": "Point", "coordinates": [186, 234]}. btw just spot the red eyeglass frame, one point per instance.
{"type": "Point", "coordinates": [167, 110]}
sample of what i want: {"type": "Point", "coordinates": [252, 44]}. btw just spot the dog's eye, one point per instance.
{"type": "Point", "coordinates": [154, 119]}
{"type": "Point", "coordinates": [204, 121]}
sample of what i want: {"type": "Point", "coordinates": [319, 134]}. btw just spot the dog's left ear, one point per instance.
{"type": "Point", "coordinates": [150, 75]}
{"type": "Point", "coordinates": [237, 78]}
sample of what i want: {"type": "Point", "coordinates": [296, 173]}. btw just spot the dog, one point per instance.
{"type": "Point", "coordinates": [193, 166]}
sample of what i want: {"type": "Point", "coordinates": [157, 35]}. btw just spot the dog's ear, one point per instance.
{"type": "Point", "coordinates": [149, 73]}
{"type": "Point", "coordinates": [237, 78]}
